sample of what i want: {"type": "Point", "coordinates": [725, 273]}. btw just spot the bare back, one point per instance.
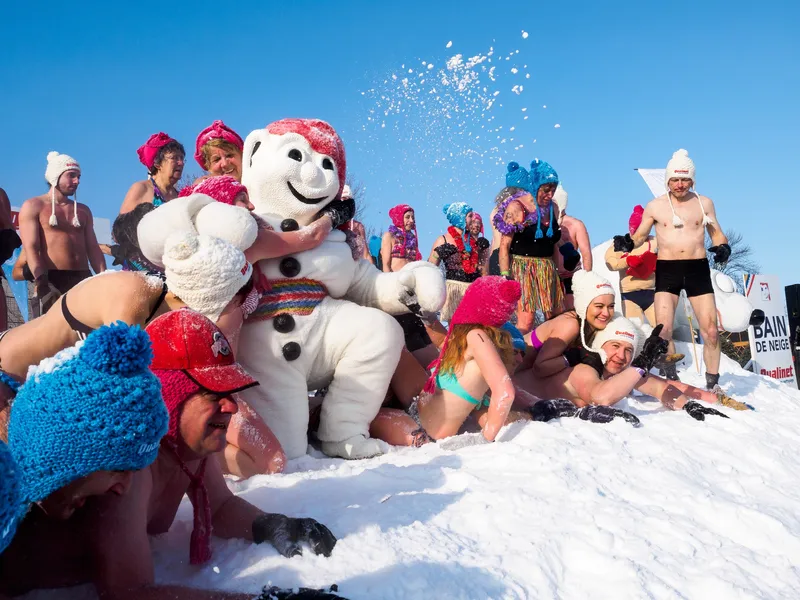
{"type": "Point", "coordinates": [686, 242]}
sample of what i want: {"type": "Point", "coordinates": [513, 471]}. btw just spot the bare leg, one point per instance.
{"type": "Point", "coordinates": [706, 311]}
{"type": "Point", "coordinates": [674, 394]}
{"type": "Point", "coordinates": [513, 416]}
{"type": "Point", "coordinates": [252, 448]}
{"type": "Point", "coordinates": [631, 310]}
{"type": "Point", "coordinates": [409, 378]}
{"type": "Point", "coordinates": [665, 305]}
{"type": "Point", "coordinates": [394, 427]}
{"type": "Point", "coordinates": [650, 313]}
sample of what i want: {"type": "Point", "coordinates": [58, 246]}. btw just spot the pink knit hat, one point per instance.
{"type": "Point", "coordinates": [479, 218]}
{"type": "Point", "coordinates": [636, 218]}
{"type": "Point", "coordinates": [397, 213]}
{"type": "Point", "coordinates": [222, 188]}
{"type": "Point", "coordinates": [147, 151]}
{"type": "Point", "coordinates": [216, 131]}
{"type": "Point", "coordinates": [488, 301]}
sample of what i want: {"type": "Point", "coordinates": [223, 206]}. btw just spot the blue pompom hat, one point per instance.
{"type": "Point", "coordinates": [517, 176]}
{"type": "Point", "coordinates": [92, 407]}
{"type": "Point", "coordinates": [456, 214]}
{"type": "Point", "coordinates": [10, 500]}
{"type": "Point", "coordinates": [517, 339]}
{"type": "Point", "coordinates": [542, 173]}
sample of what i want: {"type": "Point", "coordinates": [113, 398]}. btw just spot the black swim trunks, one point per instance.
{"type": "Point", "coordinates": [414, 332]}
{"type": "Point", "coordinates": [494, 262]}
{"type": "Point", "coordinates": [694, 276]}
{"type": "Point", "coordinates": [567, 283]}
{"type": "Point", "coordinates": [641, 298]}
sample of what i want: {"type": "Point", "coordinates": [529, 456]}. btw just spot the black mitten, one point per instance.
{"type": "Point", "coordinates": [721, 253]}
{"type": "Point", "coordinates": [699, 412]}
{"type": "Point", "coordinates": [483, 244]}
{"type": "Point", "coordinates": [276, 593]}
{"type": "Point", "coordinates": [286, 534]}
{"type": "Point", "coordinates": [623, 243]}
{"type": "Point", "coordinates": [9, 241]}
{"type": "Point", "coordinates": [571, 256]}
{"type": "Point", "coordinates": [605, 414]}
{"type": "Point", "coordinates": [546, 410]}
{"type": "Point", "coordinates": [340, 211]}
{"type": "Point", "coordinates": [574, 356]}
{"type": "Point", "coordinates": [654, 348]}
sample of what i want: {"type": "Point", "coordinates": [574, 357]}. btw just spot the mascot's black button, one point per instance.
{"type": "Point", "coordinates": [283, 323]}
{"type": "Point", "coordinates": [289, 267]}
{"type": "Point", "coordinates": [289, 225]}
{"type": "Point", "coordinates": [291, 351]}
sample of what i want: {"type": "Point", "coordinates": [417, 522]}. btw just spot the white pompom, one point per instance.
{"type": "Point", "coordinates": [53, 220]}
{"type": "Point", "coordinates": [75, 222]}
{"type": "Point", "coordinates": [680, 153]}
{"type": "Point", "coordinates": [707, 220]}
{"type": "Point", "coordinates": [180, 246]}
{"type": "Point", "coordinates": [51, 155]}
{"type": "Point", "coordinates": [677, 221]}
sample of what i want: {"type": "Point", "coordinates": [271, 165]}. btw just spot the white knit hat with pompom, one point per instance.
{"type": "Point", "coordinates": [680, 166]}
{"type": "Point", "coordinates": [618, 329]}
{"type": "Point", "coordinates": [57, 164]}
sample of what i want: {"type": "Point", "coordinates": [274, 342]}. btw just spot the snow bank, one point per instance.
{"type": "Point", "coordinates": [569, 509]}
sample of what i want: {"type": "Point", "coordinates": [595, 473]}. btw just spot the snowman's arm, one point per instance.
{"type": "Point", "coordinates": [272, 244]}
{"type": "Point", "coordinates": [372, 288]}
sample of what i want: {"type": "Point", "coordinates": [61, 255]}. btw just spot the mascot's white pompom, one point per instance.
{"type": "Point", "coordinates": [324, 320]}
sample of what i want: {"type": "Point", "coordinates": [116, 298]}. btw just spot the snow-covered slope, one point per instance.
{"type": "Point", "coordinates": [674, 509]}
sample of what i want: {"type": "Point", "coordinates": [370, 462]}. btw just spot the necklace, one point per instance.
{"type": "Point", "coordinates": [469, 258]}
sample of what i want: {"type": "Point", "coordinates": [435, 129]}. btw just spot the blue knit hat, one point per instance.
{"type": "Point", "coordinates": [10, 501]}
{"type": "Point", "coordinates": [375, 245]}
{"type": "Point", "coordinates": [517, 176]}
{"type": "Point", "coordinates": [457, 213]}
{"type": "Point", "coordinates": [541, 173]}
{"type": "Point", "coordinates": [93, 407]}
{"type": "Point", "coordinates": [517, 339]}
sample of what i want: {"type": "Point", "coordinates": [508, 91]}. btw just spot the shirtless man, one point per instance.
{"type": "Point", "coordinates": [78, 430]}
{"type": "Point", "coordinates": [198, 373]}
{"type": "Point", "coordinates": [9, 241]}
{"type": "Point", "coordinates": [587, 390]}
{"type": "Point", "coordinates": [681, 218]}
{"type": "Point", "coordinates": [573, 231]}
{"type": "Point", "coordinates": [59, 243]}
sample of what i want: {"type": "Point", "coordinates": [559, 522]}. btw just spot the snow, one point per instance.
{"type": "Point", "coordinates": [525, 35]}
{"type": "Point", "coordinates": [449, 44]}
{"type": "Point", "coordinates": [569, 509]}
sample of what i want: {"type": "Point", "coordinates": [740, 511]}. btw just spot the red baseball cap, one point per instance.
{"type": "Point", "coordinates": [185, 340]}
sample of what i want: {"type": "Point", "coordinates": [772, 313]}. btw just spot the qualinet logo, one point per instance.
{"type": "Point", "coordinates": [147, 448]}
{"type": "Point", "coordinates": [625, 333]}
{"type": "Point", "coordinates": [682, 171]}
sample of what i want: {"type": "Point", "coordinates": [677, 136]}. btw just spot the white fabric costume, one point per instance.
{"type": "Point", "coordinates": [325, 321]}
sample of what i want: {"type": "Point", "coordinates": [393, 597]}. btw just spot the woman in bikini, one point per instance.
{"type": "Point", "coordinates": [475, 362]}
{"type": "Point", "coordinates": [164, 159]}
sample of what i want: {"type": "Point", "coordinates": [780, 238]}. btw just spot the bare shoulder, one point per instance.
{"type": "Point", "coordinates": [33, 205]}
{"type": "Point", "coordinates": [565, 325]}
{"type": "Point", "coordinates": [477, 337]}
{"type": "Point", "coordinates": [706, 201]}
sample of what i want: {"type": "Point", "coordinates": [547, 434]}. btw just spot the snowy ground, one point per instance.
{"type": "Point", "coordinates": [674, 509]}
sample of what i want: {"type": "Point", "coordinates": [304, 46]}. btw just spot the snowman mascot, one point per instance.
{"type": "Point", "coordinates": [325, 319]}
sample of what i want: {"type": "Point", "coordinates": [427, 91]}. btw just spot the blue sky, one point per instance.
{"type": "Point", "coordinates": [628, 83]}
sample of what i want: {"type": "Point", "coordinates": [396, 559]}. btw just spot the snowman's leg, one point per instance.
{"type": "Point", "coordinates": [364, 344]}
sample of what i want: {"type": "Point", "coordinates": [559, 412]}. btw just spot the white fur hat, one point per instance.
{"type": "Point", "coordinates": [679, 166]}
{"type": "Point", "coordinates": [560, 198]}
{"type": "Point", "coordinates": [204, 272]}
{"type": "Point", "coordinates": [56, 165]}
{"type": "Point", "coordinates": [586, 286]}
{"type": "Point", "coordinates": [618, 329]}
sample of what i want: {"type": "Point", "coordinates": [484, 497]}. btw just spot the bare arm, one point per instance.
{"type": "Point", "coordinates": [593, 390]}
{"type": "Point", "coordinates": [231, 516]}
{"type": "Point", "coordinates": [271, 244]}
{"type": "Point", "coordinates": [550, 358]}
{"type": "Point", "coordinates": [494, 372]}
{"type": "Point", "coordinates": [504, 254]}
{"type": "Point", "coordinates": [17, 273]}
{"type": "Point", "coordinates": [584, 247]}
{"type": "Point", "coordinates": [643, 232]}
{"type": "Point", "coordinates": [93, 250]}
{"type": "Point", "coordinates": [30, 232]}
{"type": "Point", "coordinates": [714, 229]}
{"type": "Point", "coordinates": [386, 252]}
{"type": "Point", "coordinates": [137, 194]}
{"type": "Point", "coordinates": [434, 257]}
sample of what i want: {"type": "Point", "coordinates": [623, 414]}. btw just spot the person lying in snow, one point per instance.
{"type": "Point", "coordinates": [476, 357]}
{"type": "Point", "coordinates": [616, 367]}
{"type": "Point", "coordinates": [195, 366]}
{"type": "Point", "coordinates": [83, 424]}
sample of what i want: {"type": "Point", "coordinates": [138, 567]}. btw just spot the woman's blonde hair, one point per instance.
{"type": "Point", "coordinates": [453, 355]}
{"type": "Point", "coordinates": [209, 146]}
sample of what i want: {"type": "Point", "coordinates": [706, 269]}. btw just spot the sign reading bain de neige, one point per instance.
{"type": "Point", "coordinates": [769, 342]}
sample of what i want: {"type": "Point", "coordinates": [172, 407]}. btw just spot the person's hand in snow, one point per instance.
{"type": "Point", "coordinates": [287, 534]}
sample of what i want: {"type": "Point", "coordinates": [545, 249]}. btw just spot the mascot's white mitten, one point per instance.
{"type": "Point", "coordinates": [418, 283]}
{"type": "Point", "coordinates": [197, 214]}
{"type": "Point", "coordinates": [356, 447]}
{"type": "Point", "coordinates": [733, 308]}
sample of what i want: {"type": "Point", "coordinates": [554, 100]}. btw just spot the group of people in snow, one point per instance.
{"type": "Point", "coordinates": [251, 316]}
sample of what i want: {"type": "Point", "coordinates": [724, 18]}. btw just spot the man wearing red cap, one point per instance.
{"type": "Point", "coordinates": [198, 375]}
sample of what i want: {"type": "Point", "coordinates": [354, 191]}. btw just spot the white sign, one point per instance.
{"type": "Point", "coordinates": [654, 178]}
{"type": "Point", "coordinates": [769, 342]}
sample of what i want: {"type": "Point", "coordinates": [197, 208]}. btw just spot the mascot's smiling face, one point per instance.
{"type": "Point", "coordinates": [293, 168]}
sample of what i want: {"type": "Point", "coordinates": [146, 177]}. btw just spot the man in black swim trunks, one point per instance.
{"type": "Point", "coordinates": [58, 235]}
{"type": "Point", "coordinates": [681, 218]}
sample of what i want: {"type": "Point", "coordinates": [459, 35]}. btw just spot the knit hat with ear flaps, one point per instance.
{"type": "Point", "coordinates": [92, 407]}
{"type": "Point", "coordinates": [204, 272]}
{"type": "Point", "coordinates": [398, 229]}
{"type": "Point", "coordinates": [680, 166]}
{"type": "Point", "coordinates": [57, 164]}
{"type": "Point", "coordinates": [11, 505]}
{"type": "Point", "coordinates": [518, 177]}
{"type": "Point", "coordinates": [216, 131]}
{"type": "Point", "coordinates": [560, 197]}
{"type": "Point", "coordinates": [618, 329]}
{"type": "Point", "coordinates": [489, 301]}
{"type": "Point", "coordinates": [541, 174]}
{"type": "Point", "coordinates": [456, 214]}
{"type": "Point", "coordinates": [586, 286]}
{"type": "Point", "coordinates": [222, 188]}
{"type": "Point", "coordinates": [636, 218]}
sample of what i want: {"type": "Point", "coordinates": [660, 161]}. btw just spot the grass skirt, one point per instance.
{"type": "Point", "coordinates": [541, 287]}
{"type": "Point", "coordinates": [455, 293]}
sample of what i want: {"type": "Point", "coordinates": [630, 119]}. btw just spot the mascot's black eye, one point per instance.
{"type": "Point", "coordinates": [256, 146]}
{"type": "Point", "coordinates": [327, 164]}
{"type": "Point", "coordinates": [295, 154]}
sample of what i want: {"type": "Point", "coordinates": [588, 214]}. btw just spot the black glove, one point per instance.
{"type": "Point", "coordinates": [9, 241]}
{"type": "Point", "coordinates": [546, 410]}
{"type": "Point", "coordinates": [606, 414]}
{"type": "Point", "coordinates": [286, 534]}
{"type": "Point", "coordinates": [654, 348]}
{"type": "Point", "coordinates": [699, 412]}
{"type": "Point", "coordinates": [276, 593]}
{"type": "Point", "coordinates": [483, 244]}
{"type": "Point", "coordinates": [574, 356]}
{"type": "Point", "coordinates": [571, 256]}
{"type": "Point", "coordinates": [721, 253]}
{"type": "Point", "coordinates": [340, 211]}
{"type": "Point", "coordinates": [119, 255]}
{"type": "Point", "coordinates": [623, 243]}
